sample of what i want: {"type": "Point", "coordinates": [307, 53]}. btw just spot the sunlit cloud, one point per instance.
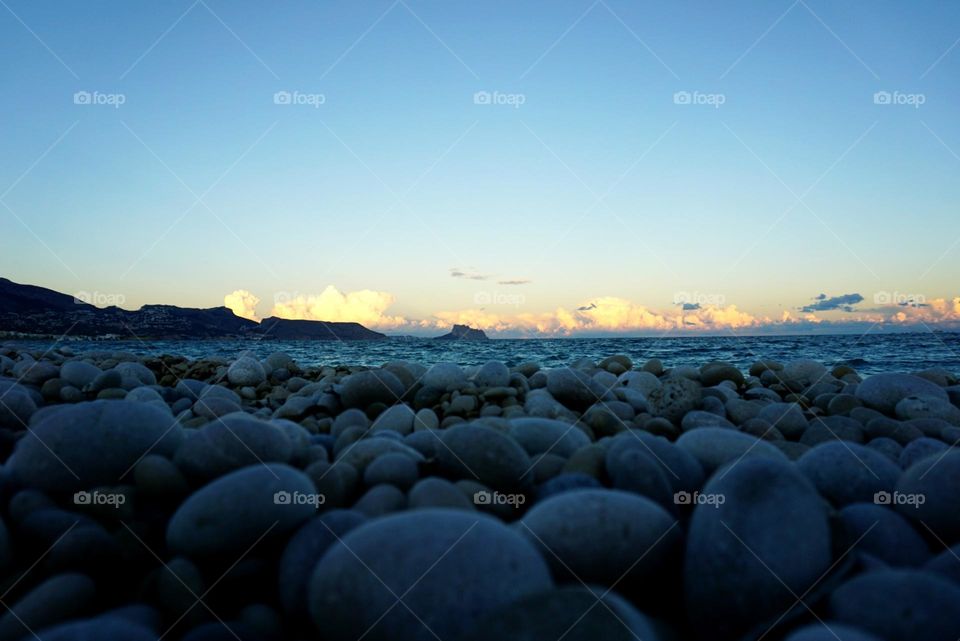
{"type": "Point", "coordinates": [242, 303]}
{"type": "Point", "coordinates": [366, 307]}
{"type": "Point", "coordinates": [456, 272]}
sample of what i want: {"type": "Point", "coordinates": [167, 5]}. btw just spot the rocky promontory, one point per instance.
{"type": "Point", "coordinates": [463, 333]}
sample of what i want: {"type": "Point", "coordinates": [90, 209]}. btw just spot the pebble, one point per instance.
{"type": "Point", "coordinates": [304, 549]}
{"type": "Point", "coordinates": [570, 613]}
{"type": "Point", "coordinates": [884, 534]}
{"type": "Point", "coordinates": [541, 435]}
{"type": "Point", "coordinates": [363, 389]}
{"type": "Point", "coordinates": [452, 568]}
{"type": "Point", "coordinates": [713, 447]}
{"type": "Point", "coordinates": [596, 535]}
{"type": "Point", "coordinates": [900, 605]}
{"type": "Point", "coordinates": [393, 468]}
{"type": "Point", "coordinates": [231, 442]}
{"type": "Point", "coordinates": [848, 473]}
{"type": "Point", "coordinates": [676, 396]}
{"type": "Point", "coordinates": [227, 516]}
{"type": "Point", "coordinates": [445, 377]}
{"type": "Point", "coordinates": [574, 388]}
{"type": "Point", "coordinates": [399, 418]}
{"type": "Point", "coordinates": [437, 492]}
{"type": "Point", "coordinates": [492, 374]}
{"type": "Point", "coordinates": [935, 479]}
{"type": "Point", "coordinates": [769, 512]}
{"type": "Point", "coordinates": [246, 370]}
{"type": "Point", "coordinates": [60, 598]}
{"type": "Point", "coordinates": [882, 392]}
{"type": "Point", "coordinates": [483, 454]}
{"type": "Point", "coordinates": [79, 373]}
{"type": "Point", "coordinates": [92, 443]}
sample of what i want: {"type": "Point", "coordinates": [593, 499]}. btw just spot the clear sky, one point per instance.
{"type": "Point", "coordinates": [559, 167]}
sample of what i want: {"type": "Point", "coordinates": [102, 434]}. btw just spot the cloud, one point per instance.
{"type": "Point", "coordinates": [469, 275]}
{"type": "Point", "coordinates": [242, 303]}
{"type": "Point", "coordinates": [690, 306]}
{"type": "Point", "coordinates": [824, 304]}
{"type": "Point", "coordinates": [518, 281]}
{"type": "Point", "coordinates": [586, 308]}
{"type": "Point", "coordinates": [365, 306]}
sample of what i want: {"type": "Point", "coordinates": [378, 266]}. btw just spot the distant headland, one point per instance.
{"type": "Point", "coordinates": [33, 310]}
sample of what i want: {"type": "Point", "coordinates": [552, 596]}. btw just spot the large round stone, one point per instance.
{"type": "Point", "coordinates": [675, 396]}
{"type": "Point", "coordinates": [683, 470]}
{"type": "Point", "coordinates": [480, 453]}
{"type": "Point", "coordinates": [92, 443]}
{"type": "Point", "coordinates": [603, 536]}
{"type": "Point", "coordinates": [232, 442]}
{"type": "Point", "coordinates": [900, 605]}
{"type": "Point", "coordinates": [540, 435]}
{"type": "Point", "coordinates": [236, 511]}
{"type": "Point", "coordinates": [717, 446]}
{"type": "Point", "coordinates": [444, 377]}
{"type": "Point", "coordinates": [371, 386]}
{"type": "Point", "coordinates": [449, 567]}
{"type": "Point", "coordinates": [883, 391]}
{"type": "Point", "coordinates": [927, 493]}
{"type": "Point", "coordinates": [574, 388]}
{"type": "Point", "coordinates": [246, 371]}
{"type": "Point", "coordinates": [571, 613]}
{"type": "Point", "coordinates": [748, 555]}
{"type": "Point", "coordinates": [304, 551]}
{"type": "Point", "coordinates": [884, 534]}
{"type": "Point", "coordinates": [847, 472]}
{"type": "Point", "coordinates": [492, 374]}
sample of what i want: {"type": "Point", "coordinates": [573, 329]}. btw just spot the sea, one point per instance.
{"type": "Point", "coordinates": [868, 354]}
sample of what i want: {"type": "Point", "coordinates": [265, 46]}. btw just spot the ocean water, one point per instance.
{"type": "Point", "coordinates": [868, 354]}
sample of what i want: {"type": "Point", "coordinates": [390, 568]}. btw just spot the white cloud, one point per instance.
{"type": "Point", "coordinates": [366, 307]}
{"type": "Point", "coordinates": [242, 303]}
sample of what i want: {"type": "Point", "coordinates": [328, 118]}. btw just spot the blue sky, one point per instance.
{"type": "Point", "coordinates": [588, 176]}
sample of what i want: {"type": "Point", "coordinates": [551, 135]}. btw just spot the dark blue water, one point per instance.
{"type": "Point", "coordinates": [868, 354]}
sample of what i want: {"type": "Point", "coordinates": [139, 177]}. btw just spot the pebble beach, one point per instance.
{"type": "Point", "coordinates": [255, 498]}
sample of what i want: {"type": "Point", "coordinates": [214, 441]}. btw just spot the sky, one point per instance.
{"type": "Point", "coordinates": [531, 168]}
